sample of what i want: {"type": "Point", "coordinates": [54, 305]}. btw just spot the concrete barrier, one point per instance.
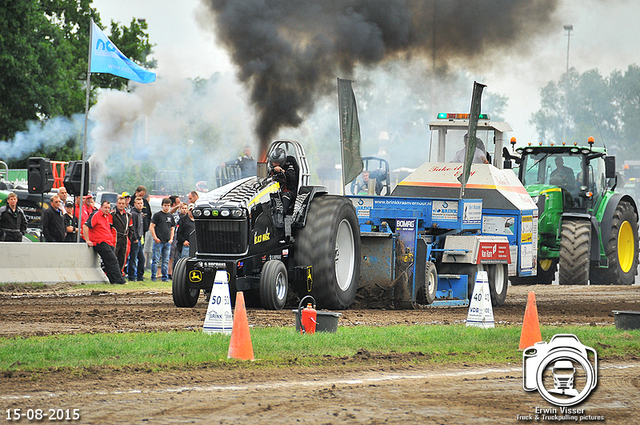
{"type": "Point", "coordinates": [49, 262]}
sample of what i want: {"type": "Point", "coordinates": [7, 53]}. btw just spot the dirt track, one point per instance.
{"type": "Point", "coordinates": [87, 311]}
{"type": "Point", "coordinates": [366, 388]}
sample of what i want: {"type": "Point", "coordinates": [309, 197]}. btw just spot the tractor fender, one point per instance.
{"type": "Point", "coordinates": [303, 200]}
{"type": "Point", "coordinates": [607, 217]}
{"type": "Point", "coordinates": [595, 231]}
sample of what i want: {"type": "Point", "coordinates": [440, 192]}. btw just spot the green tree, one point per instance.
{"type": "Point", "coordinates": [43, 61]}
{"type": "Point", "coordinates": [607, 108]}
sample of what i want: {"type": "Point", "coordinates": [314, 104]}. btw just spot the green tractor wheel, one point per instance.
{"type": "Point", "coordinates": [575, 252]}
{"type": "Point", "coordinates": [621, 249]}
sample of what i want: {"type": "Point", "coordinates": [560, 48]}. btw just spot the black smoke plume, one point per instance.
{"type": "Point", "coordinates": [290, 52]}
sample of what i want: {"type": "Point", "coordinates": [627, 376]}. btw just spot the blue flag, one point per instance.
{"type": "Point", "coordinates": [106, 58]}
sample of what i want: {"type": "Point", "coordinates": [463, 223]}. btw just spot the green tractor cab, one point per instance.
{"type": "Point", "coordinates": [585, 229]}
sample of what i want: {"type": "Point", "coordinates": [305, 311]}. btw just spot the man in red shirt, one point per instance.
{"type": "Point", "coordinates": [99, 233]}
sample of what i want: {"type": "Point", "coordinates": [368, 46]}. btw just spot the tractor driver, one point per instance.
{"type": "Point", "coordinates": [284, 173]}
{"type": "Point", "coordinates": [562, 176]}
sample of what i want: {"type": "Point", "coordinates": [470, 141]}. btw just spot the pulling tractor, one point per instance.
{"type": "Point", "coordinates": [586, 230]}
{"type": "Point", "coordinates": [241, 228]}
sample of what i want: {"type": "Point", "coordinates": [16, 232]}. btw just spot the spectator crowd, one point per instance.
{"type": "Point", "coordinates": [117, 233]}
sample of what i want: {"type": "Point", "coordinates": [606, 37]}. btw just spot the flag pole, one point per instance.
{"type": "Point", "coordinates": [84, 138]}
{"type": "Point", "coordinates": [341, 143]}
{"type": "Point", "coordinates": [474, 113]}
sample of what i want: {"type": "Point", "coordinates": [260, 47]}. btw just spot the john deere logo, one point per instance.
{"type": "Point", "coordinates": [195, 276]}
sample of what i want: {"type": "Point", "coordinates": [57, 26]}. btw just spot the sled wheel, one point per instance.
{"type": "Point", "coordinates": [498, 282]}
{"type": "Point", "coordinates": [427, 294]}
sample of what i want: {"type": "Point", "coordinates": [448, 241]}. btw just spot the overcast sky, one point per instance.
{"type": "Point", "coordinates": [605, 36]}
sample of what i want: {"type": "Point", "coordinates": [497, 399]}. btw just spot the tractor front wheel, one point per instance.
{"type": "Point", "coordinates": [183, 295]}
{"type": "Point", "coordinates": [575, 252]}
{"type": "Point", "coordinates": [274, 285]}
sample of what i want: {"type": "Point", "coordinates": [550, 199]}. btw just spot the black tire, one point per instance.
{"type": "Point", "coordinates": [546, 274]}
{"type": "Point", "coordinates": [621, 249]}
{"type": "Point", "coordinates": [330, 244]}
{"type": "Point", "coordinates": [575, 252]}
{"type": "Point", "coordinates": [183, 295]}
{"type": "Point", "coordinates": [274, 285]}
{"type": "Point", "coordinates": [498, 275]}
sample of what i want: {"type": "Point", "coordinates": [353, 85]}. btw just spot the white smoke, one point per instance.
{"type": "Point", "coordinates": [54, 132]}
{"type": "Point", "coordinates": [173, 124]}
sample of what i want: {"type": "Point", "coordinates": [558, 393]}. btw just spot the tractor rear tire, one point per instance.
{"type": "Point", "coordinates": [621, 249]}
{"type": "Point", "coordinates": [274, 285]}
{"type": "Point", "coordinates": [183, 295]}
{"type": "Point", "coordinates": [575, 252]}
{"type": "Point", "coordinates": [330, 244]}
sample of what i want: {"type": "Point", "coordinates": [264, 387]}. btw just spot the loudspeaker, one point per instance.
{"type": "Point", "coordinates": [72, 178]}
{"type": "Point", "coordinates": [40, 175]}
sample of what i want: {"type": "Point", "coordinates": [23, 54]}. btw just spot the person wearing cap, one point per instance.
{"type": "Point", "coordinates": [127, 198]}
{"type": "Point", "coordinates": [70, 223]}
{"type": "Point", "coordinates": [88, 206]}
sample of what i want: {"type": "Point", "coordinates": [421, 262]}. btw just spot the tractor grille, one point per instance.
{"type": "Point", "coordinates": [222, 236]}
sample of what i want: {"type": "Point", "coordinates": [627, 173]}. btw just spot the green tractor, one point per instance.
{"type": "Point", "coordinates": [586, 230]}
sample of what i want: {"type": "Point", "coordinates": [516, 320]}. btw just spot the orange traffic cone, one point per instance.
{"type": "Point", "coordinates": [530, 325]}
{"type": "Point", "coordinates": [240, 346]}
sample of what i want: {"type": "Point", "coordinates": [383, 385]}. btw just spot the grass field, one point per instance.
{"type": "Point", "coordinates": [283, 346]}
